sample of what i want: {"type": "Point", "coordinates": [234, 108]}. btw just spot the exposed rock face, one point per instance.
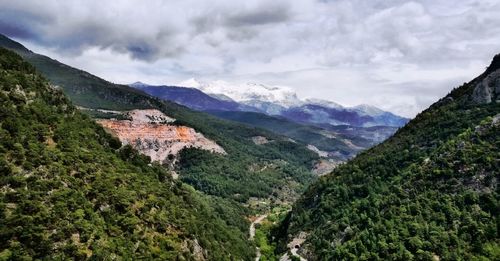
{"type": "Point", "coordinates": [488, 89]}
{"type": "Point", "coordinates": [149, 133]}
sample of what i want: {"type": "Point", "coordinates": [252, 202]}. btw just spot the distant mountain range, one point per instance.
{"type": "Point", "coordinates": [271, 100]}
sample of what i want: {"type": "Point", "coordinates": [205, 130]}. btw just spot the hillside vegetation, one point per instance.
{"type": "Point", "coordinates": [428, 193]}
{"type": "Point", "coordinates": [67, 189]}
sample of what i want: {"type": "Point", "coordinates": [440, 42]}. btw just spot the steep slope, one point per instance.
{"type": "Point", "coordinates": [233, 176]}
{"type": "Point", "coordinates": [428, 193]}
{"type": "Point", "coordinates": [83, 88]}
{"type": "Point", "coordinates": [68, 192]}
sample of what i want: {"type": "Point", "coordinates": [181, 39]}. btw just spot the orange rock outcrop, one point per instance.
{"type": "Point", "coordinates": [157, 140]}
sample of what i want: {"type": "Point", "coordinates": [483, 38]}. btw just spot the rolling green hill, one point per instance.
{"type": "Point", "coordinates": [233, 176]}
{"type": "Point", "coordinates": [428, 193]}
{"type": "Point", "coordinates": [68, 190]}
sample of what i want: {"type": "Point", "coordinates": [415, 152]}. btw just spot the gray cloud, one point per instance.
{"type": "Point", "coordinates": [348, 50]}
{"type": "Point", "coordinates": [262, 15]}
{"type": "Point", "coordinates": [21, 24]}
{"type": "Point", "coordinates": [75, 27]}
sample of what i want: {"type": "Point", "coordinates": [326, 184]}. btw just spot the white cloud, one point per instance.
{"type": "Point", "coordinates": [399, 55]}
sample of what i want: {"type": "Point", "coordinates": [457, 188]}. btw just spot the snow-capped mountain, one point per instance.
{"type": "Point", "coordinates": [272, 100]}
{"type": "Point", "coordinates": [247, 93]}
{"type": "Point", "coordinates": [283, 101]}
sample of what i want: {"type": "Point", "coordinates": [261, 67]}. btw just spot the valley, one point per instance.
{"type": "Point", "coordinates": [271, 150]}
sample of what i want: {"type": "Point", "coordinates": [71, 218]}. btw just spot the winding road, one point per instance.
{"type": "Point", "coordinates": [252, 233]}
{"type": "Point", "coordinates": [256, 221]}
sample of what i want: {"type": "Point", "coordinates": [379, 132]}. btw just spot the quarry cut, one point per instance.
{"type": "Point", "coordinates": [150, 132]}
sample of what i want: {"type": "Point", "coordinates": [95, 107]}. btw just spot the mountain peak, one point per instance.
{"type": "Point", "coordinates": [242, 92]}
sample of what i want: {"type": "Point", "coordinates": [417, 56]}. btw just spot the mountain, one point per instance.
{"type": "Point", "coordinates": [325, 140]}
{"type": "Point", "coordinates": [283, 101]}
{"type": "Point", "coordinates": [323, 103]}
{"type": "Point", "coordinates": [247, 93]}
{"type": "Point", "coordinates": [380, 117]}
{"type": "Point", "coordinates": [71, 191]}
{"type": "Point", "coordinates": [235, 176]}
{"type": "Point", "coordinates": [430, 192]}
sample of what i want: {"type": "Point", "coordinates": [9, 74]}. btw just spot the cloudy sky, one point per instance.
{"type": "Point", "coordinates": [395, 54]}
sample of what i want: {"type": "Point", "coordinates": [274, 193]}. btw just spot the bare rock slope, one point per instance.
{"type": "Point", "coordinates": [149, 132]}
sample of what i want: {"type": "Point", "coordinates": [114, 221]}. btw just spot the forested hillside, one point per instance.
{"type": "Point", "coordinates": [236, 176]}
{"type": "Point", "coordinates": [428, 193]}
{"type": "Point", "coordinates": [69, 191]}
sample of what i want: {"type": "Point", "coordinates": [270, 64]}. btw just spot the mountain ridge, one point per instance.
{"type": "Point", "coordinates": [274, 101]}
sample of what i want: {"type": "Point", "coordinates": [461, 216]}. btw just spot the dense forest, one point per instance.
{"type": "Point", "coordinates": [428, 193]}
{"type": "Point", "coordinates": [69, 190]}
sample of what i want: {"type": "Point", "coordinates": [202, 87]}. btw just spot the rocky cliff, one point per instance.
{"type": "Point", "coordinates": [149, 132]}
